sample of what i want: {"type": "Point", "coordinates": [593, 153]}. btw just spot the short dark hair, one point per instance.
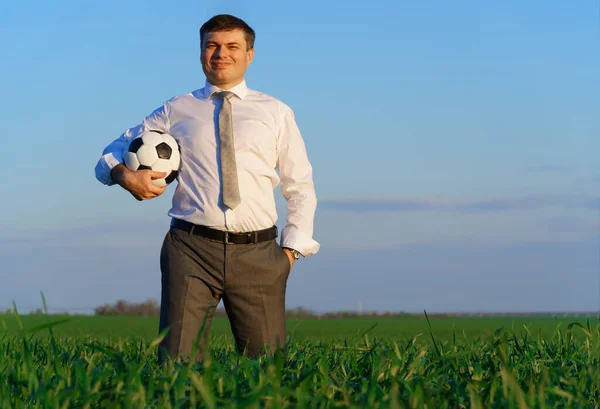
{"type": "Point", "coordinates": [227, 22]}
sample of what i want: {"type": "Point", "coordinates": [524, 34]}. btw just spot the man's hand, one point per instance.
{"type": "Point", "coordinates": [291, 258]}
{"type": "Point", "coordinates": [138, 183]}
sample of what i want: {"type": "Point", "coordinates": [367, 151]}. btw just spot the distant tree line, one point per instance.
{"type": "Point", "coordinates": [122, 307]}
{"type": "Point", "coordinates": [152, 308]}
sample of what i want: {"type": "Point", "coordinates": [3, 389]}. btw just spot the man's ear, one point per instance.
{"type": "Point", "coordinates": [250, 56]}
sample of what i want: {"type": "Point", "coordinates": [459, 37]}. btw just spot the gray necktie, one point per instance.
{"type": "Point", "coordinates": [231, 192]}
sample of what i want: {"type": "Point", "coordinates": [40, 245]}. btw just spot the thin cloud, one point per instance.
{"type": "Point", "coordinates": [133, 233]}
{"type": "Point", "coordinates": [474, 206]}
{"type": "Point", "coordinates": [550, 168]}
{"type": "Point", "coordinates": [588, 179]}
{"type": "Point", "coordinates": [567, 224]}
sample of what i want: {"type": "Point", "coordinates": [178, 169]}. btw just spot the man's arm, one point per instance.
{"type": "Point", "coordinates": [138, 183]}
{"type": "Point", "coordinates": [110, 169]}
{"type": "Point", "coordinates": [297, 186]}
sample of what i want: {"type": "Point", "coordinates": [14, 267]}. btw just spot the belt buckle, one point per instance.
{"type": "Point", "coordinates": [226, 238]}
{"type": "Point", "coordinates": [252, 237]}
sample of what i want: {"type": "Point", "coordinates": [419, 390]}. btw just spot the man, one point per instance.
{"type": "Point", "coordinates": [222, 240]}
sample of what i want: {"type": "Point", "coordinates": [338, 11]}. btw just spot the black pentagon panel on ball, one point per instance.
{"type": "Point", "coordinates": [135, 145]}
{"type": "Point", "coordinates": [142, 167]}
{"type": "Point", "coordinates": [172, 176]}
{"type": "Point", "coordinates": [163, 150]}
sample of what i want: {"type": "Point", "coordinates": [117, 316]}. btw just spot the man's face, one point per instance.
{"type": "Point", "coordinates": [225, 57]}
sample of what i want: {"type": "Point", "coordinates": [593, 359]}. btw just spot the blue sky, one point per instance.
{"type": "Point", "coordinates": [454, 145]}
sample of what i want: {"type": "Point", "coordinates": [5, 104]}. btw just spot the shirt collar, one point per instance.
{"type": "Point", "coordinates": [240, 90]}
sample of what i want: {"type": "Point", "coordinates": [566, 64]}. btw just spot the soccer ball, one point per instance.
{"type": "Point", "coordinates": [154, 150]}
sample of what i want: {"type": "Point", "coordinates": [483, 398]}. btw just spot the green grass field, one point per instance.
{"type": "Point", "coordinates": [301, 329]}
{"type": "Point", "coordinates": [469, 362]}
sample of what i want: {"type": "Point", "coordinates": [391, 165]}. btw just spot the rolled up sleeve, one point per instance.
{"type": "Point", "coordinates": [297, 187]}
{"type": "Point", "coordinates": [112, 155]}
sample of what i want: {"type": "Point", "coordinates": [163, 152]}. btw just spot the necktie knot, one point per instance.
{"type": "Point", "coordinates": [222, 95]}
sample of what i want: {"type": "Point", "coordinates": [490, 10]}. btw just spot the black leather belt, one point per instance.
{"type": "Point", "coordinates": [226, 236]}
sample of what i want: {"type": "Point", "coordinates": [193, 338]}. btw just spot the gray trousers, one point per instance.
{"type": "Point", "coordinates": [198, 272]}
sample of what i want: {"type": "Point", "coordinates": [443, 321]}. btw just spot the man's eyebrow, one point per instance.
{"type": "Point", "coordinates": [229, 43]}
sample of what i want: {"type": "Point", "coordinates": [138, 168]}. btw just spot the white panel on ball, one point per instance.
{"type": "Point", "coordinates": [175, 160]}
{"type": "Point", "coordinates": [147, 155]}
{"type": "Point", "coordinates": [152, 138]}
{"type": "Point", "coordinates": [159, 182]}
{"type": "Point", "coordinates": [161, 165]}
{"type": "Point", "coordinates": [131, 161]}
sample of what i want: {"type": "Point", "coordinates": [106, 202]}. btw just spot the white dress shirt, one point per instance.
{"type": "Point", "coordinates": [266, 139]}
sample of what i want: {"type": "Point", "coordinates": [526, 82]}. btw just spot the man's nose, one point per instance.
{"type": "Point", "coordinates": [220, 51]}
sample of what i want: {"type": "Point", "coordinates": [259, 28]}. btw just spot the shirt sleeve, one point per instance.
{"type": "Point", "coordinates": [295, 172]}
{"type": "Point", "coordinates": [113, 153]}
